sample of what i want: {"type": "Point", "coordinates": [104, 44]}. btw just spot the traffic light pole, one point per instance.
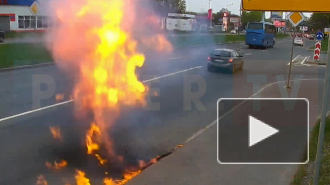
{"type": "Point", "coordinates": [323, 120]}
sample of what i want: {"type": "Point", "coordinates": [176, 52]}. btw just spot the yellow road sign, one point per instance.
{"type": "Point", "coordinates": [34, 8]}
{"type": "Point", "coordinates": [296, 18]}
{"type": "Point", "coordinates": [287, 5]}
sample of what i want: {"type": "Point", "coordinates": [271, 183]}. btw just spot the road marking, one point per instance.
{"type": "Point", "coordinates": [248, 53]}
{"type": "Point", "coordinates": [175, 58]}
{"type": "Point", "coordinates": [198, 133]}
{"type": "Point", "coordinates": [69, 101]}
{"type": "Point", "coordinates": [303, 61]}
{"type": "Point", "coordinates": [156, 78]}
{"type": "Point", "coordinates": [35, 110]}
{"type": "Point", "coordinates": [293, 60]}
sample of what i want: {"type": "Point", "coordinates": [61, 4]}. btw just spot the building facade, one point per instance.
{"type": "Point", "coordinates": [17, 16]}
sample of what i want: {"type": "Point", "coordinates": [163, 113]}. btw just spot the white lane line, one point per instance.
{"type": "Point", "coordinates": [248, 53]}
{"type": "Point", "coordinates": [303, 61]}
{"type": "Point", "coordinates": [35, 110]}
{"type": "Point", "coordinates": [69, 101]}
{"type": "Point", "coordinates": [156, 78]}
{"type": "Point", "coordinates": [175, 58]}
{"type": "Point", "coordinates": [201, 131]}
{"type": "Point", "coordinates": [293, 60]}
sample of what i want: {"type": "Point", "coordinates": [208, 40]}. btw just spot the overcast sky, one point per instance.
{"type": "Point", "coordinates": [231, 5]}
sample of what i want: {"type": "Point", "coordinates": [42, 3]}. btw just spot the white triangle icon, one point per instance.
{"type": "Point", "coordinates": [258, 131]}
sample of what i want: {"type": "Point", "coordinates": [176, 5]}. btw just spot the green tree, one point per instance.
{"type": "Point", "coordinates": [251, 16]}
{"type": "Point", "coordinates": [319, 21]}
{"type": "Point", "coordinates": [180, 6]}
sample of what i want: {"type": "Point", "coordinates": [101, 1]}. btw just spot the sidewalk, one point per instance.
{"type": "Point", "coordinates": [196, 162]}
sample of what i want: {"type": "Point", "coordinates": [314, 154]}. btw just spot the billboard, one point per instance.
{"type": "Point", "coordinates": [279, 23]}
{"type": "Point", "coordinates": [234, 19]}
{"type": "Point", "coordinates": [209, 14]}
{"type": "Point", "coordinates": [276, 15]}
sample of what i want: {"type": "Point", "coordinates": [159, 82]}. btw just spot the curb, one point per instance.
{"type": "Point", "coordinates": [323, 52]}
{"type": "Point", "coordinates": [26, 66]}
{"type": "Point", "coordinates": [316, 63]}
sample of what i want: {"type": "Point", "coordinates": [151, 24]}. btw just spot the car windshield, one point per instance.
{"type": "Point", "coordinates": [222, 53]}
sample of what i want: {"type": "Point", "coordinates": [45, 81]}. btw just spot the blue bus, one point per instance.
{"type": "Point", "coordinates": [260, 34]}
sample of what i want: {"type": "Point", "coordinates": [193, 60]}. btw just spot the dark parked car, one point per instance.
{"type": "Point", "coordinates": [225, 58]}
{"type": "Point", "coordinates": [2, 36]}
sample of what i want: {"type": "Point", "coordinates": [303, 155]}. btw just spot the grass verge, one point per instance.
{"type": "Point", "coordinates": [183, 41]}
{"type": "Point", "coordinates": [304, 175]}
{"type": "Point", "coordinates": [180, 41]}
{"type": "Point", "coordinates": [324, 46]}
{"type": "Point", "coordinates": [281, 36]}
{"type": "Point", "coordinates": [24, 34]}
{"type": "Point", "coordinates": [14, 55]}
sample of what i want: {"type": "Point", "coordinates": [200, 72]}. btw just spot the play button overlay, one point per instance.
{"type": "Point", "coordinates": [263, 131]}
{"type": "Point", "coordinates": [259, 131]}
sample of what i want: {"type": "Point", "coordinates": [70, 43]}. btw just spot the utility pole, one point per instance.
{"type": "Point", "coordinates": [263, 16]}
{"type": "Point", "coordinates": [240, 17]}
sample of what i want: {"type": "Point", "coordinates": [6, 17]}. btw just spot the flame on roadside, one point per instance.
{"type": "Point", "coordinates": [57, 165]}
{"type": "Point", "coordinates": [92, 133]}
{"type": "Point", "coordinates": [81, 179]}
{"type": "Point", "coordinates": [41, 180]}
{"type": "Point", "coordinates": [59, 97]}
{"type": "Point", "coordinates": [100, 159]}
{"type": "Point", "coordinates": [96, 39]}
{"type": "Point", "coordinates": [56, 133]}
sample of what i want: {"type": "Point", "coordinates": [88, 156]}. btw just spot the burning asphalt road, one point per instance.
{"type": "Point", "coordinates": [102, 46]}
{"type": "Point", "coordinates": [113, 130]}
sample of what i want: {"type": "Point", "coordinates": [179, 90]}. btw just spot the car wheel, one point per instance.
{"type": "Point", "coordinates": [250, 46]}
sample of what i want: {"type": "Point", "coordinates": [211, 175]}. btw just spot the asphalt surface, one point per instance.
{"type": "Point", "coordinates": [140, 133]}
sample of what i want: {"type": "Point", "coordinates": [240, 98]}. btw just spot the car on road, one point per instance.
{"type": "Point", "coordinates": [298, 41]}
{"type": "Point", "coordinates": [233, 32]}
{"type": "Point", "coordinates": [225, 58]}
{"type": "Point", "coordinates": [2, 36]}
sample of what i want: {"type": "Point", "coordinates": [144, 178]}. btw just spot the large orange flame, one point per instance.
{"type": "Point", "coordinates": [81, 179]}
{"type": "Point", "coordinates": [94, 131]}
{"type": "Point", "coordinates": [95, 38]}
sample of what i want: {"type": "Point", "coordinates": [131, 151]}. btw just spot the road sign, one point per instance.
{"type": "Point", "coordinates": [296, 18]}
{"type": "Point", "coordinates": [287, 6]}
{"type": "Point", "coordinates": [317, 50]}
{"type": "Point", "coordinates": [303, 28]}
{"type": "Point", "coordinates": [319, 35]}
{"type": "Point", "coordinates": [327, 30]}
{"type": "Point", "coordinates": [34, 8]}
